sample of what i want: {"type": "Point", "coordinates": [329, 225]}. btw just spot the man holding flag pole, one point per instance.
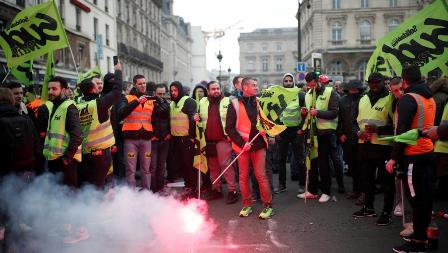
{"type": "Point", "coordinates": [250, 144]}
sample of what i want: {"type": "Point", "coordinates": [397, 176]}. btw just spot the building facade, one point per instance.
{"type": "Point", "coordinates": [344, 32]}
{"type": "Point", "coordinates": [176, 44]}
{"type": "Point", "coordinates": [267, 54]}
{"type": "Point", "coordinates": [139, 38]}
{"type": "Point", "coordinates": [198, 54]}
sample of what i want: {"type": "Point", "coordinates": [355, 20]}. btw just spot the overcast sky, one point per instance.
{"type": "Point", "coordinates": [240, 16]}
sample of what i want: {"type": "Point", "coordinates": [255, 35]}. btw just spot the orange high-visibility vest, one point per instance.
{"type": "Point", "coordinates": [423, 119]}
{"type": "Point", "coordinates": [243, 124]}
{"type": "Point", "coordinates": [140, 117]}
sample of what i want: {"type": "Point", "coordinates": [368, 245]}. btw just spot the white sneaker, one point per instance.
{"type": "Point", "coordinates": [324, 198]}
{"type": "Point", "coordinates": [307, 195]}
{"type": "Point", "coordinates": [397, 211]}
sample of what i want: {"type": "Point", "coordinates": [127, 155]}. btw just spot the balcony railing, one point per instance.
{"type": "Point", "coordinates": [140, 56]}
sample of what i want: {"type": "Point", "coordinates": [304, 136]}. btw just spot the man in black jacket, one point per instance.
{"type": "Point", "coordinates": [160, 140]}
{"type": "Point", "coordinates": [347, 132]}
{"type": "Point", "coordinates": [63, 157]}
{"type": "Point", "coordinates": [137, 131]}
{"type": "Point", "coordinates": [416, 109]}
{"type": "Point", "coordinates": [183, 132]}
{"type": "Point", "coordinates": [98, 137]}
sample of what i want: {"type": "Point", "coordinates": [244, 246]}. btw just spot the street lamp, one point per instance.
{"type": "Point", "coordinates": [219, 56]}
{"type": "Point", "coordinates": [229, 70]}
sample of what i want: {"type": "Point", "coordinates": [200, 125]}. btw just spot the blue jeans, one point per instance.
{"type": "Point", "coordinates": [159, 156]}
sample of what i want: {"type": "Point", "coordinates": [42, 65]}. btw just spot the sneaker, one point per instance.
{"type": "Point", "coordinates": [307, 195]}
{"type": "Point", "coordinates": [213, 195]}
{"type": "Point", "coordinates": [280, 189]}
{"type": "Point", "coordinates": [408, 238]}
{"type": "Point", "coordinates": [364, 212]}
{"type": "Point", "coordinates": [412, 246]}
{"type": "Point", "coordinates": [301, 190]}
{"type": "Point", "coordinates": [245, 211]}
{"type": "Point", "coordinates": [324, 198]}
{"type": "Point", "coordinates": [232, 197]}
{"type": "Point", "coordinates": [397, 211]}
{"type": "Point", "coordinates": [408, 229]}
{"type": "Point", "coordinates": [384, 220]}
{"type": "Point", "coordinates": [266, 213]}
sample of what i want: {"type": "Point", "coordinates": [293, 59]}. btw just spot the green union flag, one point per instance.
{"type": "Point", "coordinates": [24, 73]}
{"type": "Point", "coordinates": [275, 99]}
{"type": "Point", "coordinates": [421, 40]}
{"type": "Point", "coordinates": [35, 31]}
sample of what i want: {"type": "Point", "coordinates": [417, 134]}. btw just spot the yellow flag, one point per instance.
{"type": "Point", "coordinates": [264, 124]}
{"type": "Point", "coordinates": [200, 160]}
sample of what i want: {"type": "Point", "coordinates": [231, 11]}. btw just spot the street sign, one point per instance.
{"type": "Point", "coordinates": [301, 66]}
{"type": "Point", "coordinates": [301, 76]}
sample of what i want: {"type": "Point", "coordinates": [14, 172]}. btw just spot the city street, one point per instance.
{"type": "Point", "coordinates": [310, 227]}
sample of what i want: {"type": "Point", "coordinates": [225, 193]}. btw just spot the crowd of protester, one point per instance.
{"type": "Point", "coordinates": [146, 137]}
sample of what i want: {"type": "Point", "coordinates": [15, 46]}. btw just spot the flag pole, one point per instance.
{"type": "Point", "coordinates": [234, 160]}
{"type": "Point", "coordinates": [73, 58]}
{"type": "Point", "coordinates": [7, 74]}
{"type": "Point", "coordinates": [200, 160]}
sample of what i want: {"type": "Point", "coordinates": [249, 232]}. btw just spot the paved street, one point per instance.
{"type": "Point", "coordinates": [310, 227]}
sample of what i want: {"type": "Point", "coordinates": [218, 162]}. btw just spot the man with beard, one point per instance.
{"type": "Point", "coordinates": [183, 132]}
{"type": "Point", "coordinates": [62, 146]}
{"type": "Point", "coordinates": [212, 116]}
{"type": "Point", "coordinates": [137, 131]}
{"type": "Point", "coordinates": [375, 118]}
{"type": "Point", "coordinates": [98, 136]}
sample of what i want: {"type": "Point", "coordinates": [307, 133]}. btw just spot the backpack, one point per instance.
{"type": "Point", "coordinates": [16, 151]}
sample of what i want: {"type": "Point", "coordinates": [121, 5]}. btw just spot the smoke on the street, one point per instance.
{"type": "Point", "coordinates": [45, 213]}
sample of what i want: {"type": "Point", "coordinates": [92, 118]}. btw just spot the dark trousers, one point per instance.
{"type": "Point", "coordinates": [182, 160]}
{"type": "Point", "coordinates": [369, 169]}
{"type": "Point", "coordinates": [350, 148]}
{"type": "Point", "coordinates": [94, 168]}
{"type": "Point", "coordinates": [337, 164]}
{"type": "Point", "coordinates": [326, 148]}
{"type": "Point", "coordinates": [118, 162]}
{"type": "Point", "coordinates": [69, 172]}
{"type": "Point", "coordinates": [159, 154]}
{"type": "Point", "coordinates": [421, 194]}
{"type": "Point", "coordinates": [297, 145]}
{"type": "Point", "coordinates": [313, 177]}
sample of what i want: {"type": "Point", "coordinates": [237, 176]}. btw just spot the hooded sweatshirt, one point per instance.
{"type": "Point", "coordinates": [190, 108]}
{"type": "Point", "coordinates": [407, 108]}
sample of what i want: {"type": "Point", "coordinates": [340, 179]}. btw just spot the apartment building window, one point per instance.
{"type": "Point", "coordinates": [251, 65]}
{"type": "Point", "coordinates": [95, 27]}
{"type": "Point", "coordinates": [106, 6]}
{"type": "Point", "coordinates": [107, 35]}
{"type": "Point", "coordinates": [20, 3]}
{"type": "Point", "coordinates": [61, 10]}
{"type": "Point", "coordinates": [250, 47]}
{"type": "Point", "coordinates": [265, 64]}
{"type": "Point", "coordinates": [392, 3]}
{"type": "Point", "coordinates": [279, 46]}
{"type": "Point", "coordinates": [336, 4]}
{"type": "Point", "coordinates": [392, 24]}
{"type": "Point", "coordinates": [95, 2]}
{"type": "Point", "coordinates": [108, 64]}
{"type": "Point", "coordinates": [365, 31]}
{"type": "Point", "coordinates": [119, 8]}
{"type": "Point", "coordinates": [362, 69]}
{"type": "Point", "coordinates": [336, 68]}
{"type": "Point", "coordinates": [364, 3]}
{"type": "Point", "coordinates": [78, 19]}
{"type": "Point", "coordinates": [336, 32]}
{"type": "Point", "coordinates": [264, 47]}
{"type": "Point", "coordinates": [279, 63]}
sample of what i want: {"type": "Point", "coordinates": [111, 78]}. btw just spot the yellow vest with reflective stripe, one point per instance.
{"type": "Point", "coordinates": [442, 146]}
{"type": "Point", "coordinates": [57, 139]}
{"type": "Point", "coordinates": [96, 135]}
{"type": "Point", "coordinates": [322, 104]}
{"type": "Point", "coordinates": [203, 112]}
{"type": "Point", "coordinates": [179, 120]}
{"type": "Point", "coordinates": [378, 114]}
